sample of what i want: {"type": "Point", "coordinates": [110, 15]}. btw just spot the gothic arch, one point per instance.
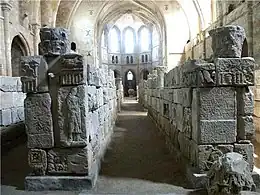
{"type": "Point", "coordinates": [129, 28]}
{"type": "Point", "coordinates": [18, 49]}
{"type": "Point", "coordinates": [118, 38]}
{"type": "Point", "coordinates": [139, 37]}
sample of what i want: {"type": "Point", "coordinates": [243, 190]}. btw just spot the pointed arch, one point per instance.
{"type": "Point", "coordinates": [114, 41]}
{"type": "Point", "coordinates": [144, 39]}
{"type": "Point", "coordinates": [129, 40]}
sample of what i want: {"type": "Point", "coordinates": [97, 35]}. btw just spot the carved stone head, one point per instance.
{"type": "Point", "coordinates": [54, 41]}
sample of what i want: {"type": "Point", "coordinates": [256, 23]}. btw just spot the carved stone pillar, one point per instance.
{"type": "Point", "coordinates": [6, 7]}
{"type": "Point", "coordinates": [36, 38]}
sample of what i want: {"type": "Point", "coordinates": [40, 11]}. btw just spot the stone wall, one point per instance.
{"type": "Point", "coordinates": [205, 107]}
{"type": "Point", "coordinates": [246, 15]}
{"type": "Point", "coordinates": [12, 97]}
{"type": "Point", "coordinates": [103, 107]}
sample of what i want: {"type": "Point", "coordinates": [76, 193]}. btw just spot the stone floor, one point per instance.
{"type": "Point", "coordinates": [137, 162]}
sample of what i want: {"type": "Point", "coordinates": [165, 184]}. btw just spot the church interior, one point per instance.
{"type": "Point", "coordinates": [130, 97]}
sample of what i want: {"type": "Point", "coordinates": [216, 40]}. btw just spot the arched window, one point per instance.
{"type": "Point", "coordinates": [116, 60]}
{"type": "Point", "coordinates": [127, 59]}
{"type": "Point", "coordinates": [114, 40]}
{"type": "Point", "coordinates": [73, 46]}
{"type": "Point", "coordinates": [132, 59]}
{"type": "Point", "coordinates": [130, 76]}
{"type": "Point", "coordinates": [144, 39]}
{"type": "Point", "coordinates": [129, 40]}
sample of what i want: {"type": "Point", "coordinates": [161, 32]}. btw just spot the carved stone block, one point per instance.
{"type": "Point", "coordinates": [206, 75]}
{"type": "Point", "coordinates": [38, 120]}
{"type": "Point", "coordinates": [37, 160]}
{"type": "Point", "coordinates": [247, 150]}
{"type": "Point", "coordinates": [71, 116]}
{"type": "Point", "coordinates": [245, 101]}
{"type": "Point", "coordinates": [186, 97]}
{"type": "Point", "coordinates": [230, 174]}
{"type": "Point", "coordinates": [68, 161]}
{"type": "Point", "coordinates": [187, 128]}
{"type": "Point", "coordinates": [227, 41]}
{"type": "Point", "coordinates": [245, 127]}
{"type": "Point", "coordinates": [54, 41]}
{"type": "Point", "coordinates": [207, 154]}
{"type": "Point", "coordinates": [235, 72]}
{"type": "Point", "coordinates": [34, 74]}
{"type": "Point", "coordinates": [67, 70]}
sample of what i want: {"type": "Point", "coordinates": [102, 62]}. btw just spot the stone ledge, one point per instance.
{"type": "Point", "coordinates": [69, 183]}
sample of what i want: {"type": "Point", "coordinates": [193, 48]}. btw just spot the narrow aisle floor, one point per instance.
{"type": "Point", "coordinates": [136, 162]}
{"type": "Point", "coordinates": [137, 150]}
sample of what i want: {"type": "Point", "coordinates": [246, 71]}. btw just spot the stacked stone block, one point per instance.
{"type": "Point", "coordinates": [70, 109]}
{"type": "Point", "coordinates": [11, 101]}
{"type": "Point", "coordinates": [205, 108]}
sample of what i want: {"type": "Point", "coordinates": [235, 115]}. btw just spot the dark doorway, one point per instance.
{"type": "Point", "coordinates": [130, 84]}
{"type": "Point", "coordinates": [18, 50]}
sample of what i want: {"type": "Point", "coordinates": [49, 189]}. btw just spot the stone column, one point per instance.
{"type": "Point", "coordinates": [36, 38]}
{"type": "Point", "coordinates": [6, 7]}
{"type": "Point", "coordinates": [160, 77]}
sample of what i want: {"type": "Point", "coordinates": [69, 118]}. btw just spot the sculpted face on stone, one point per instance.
{"type": "Point", "coordinates": [227, 41]}
{"type": "Point", "coordinates": [54, 41]}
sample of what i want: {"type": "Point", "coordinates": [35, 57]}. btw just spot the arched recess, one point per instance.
{"type": "Point", "coordinates": [245, 49]}
{"type": "Point", "coordinates": [114, 41]}
{"type": "Point", "coordinates": [117, 73]}
{"type": "Point", "coordinates": [144, 74]}
{"type": "Point", "coordinates": [147, 39]}
{"type": "Point", "coordinates": [18, 49]}
{"type": "Point", "coordinates": [129, 43]}
{"type": "Point", "coordinates": [129, 83]}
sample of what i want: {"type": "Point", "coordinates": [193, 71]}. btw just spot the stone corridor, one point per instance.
{"type": "Point", "coordinates": [136, 161]}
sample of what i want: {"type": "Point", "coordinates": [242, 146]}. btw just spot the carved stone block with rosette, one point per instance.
{"type": "Point", "coordinates": [37, 160]}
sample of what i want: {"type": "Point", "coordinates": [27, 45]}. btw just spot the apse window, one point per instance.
{"type": "Point", "coordinates": [129, 41]}
{"type": "Point", "coordinates": [130, 76]}
{"type": "Point", "coordinates": [144, 39]}
{"type": "Point", "coordinates": [114, 42]}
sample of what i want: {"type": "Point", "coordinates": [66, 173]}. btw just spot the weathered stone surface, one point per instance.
{"type": "Point", "coordinates": [227, 41]}
{"type": "Point", "coordinates": [229, 174]}
{"type": "Point", "coordinates": [216, 103]}
{"type": "Point", "coordinates": [71, 121]}
{"type": "Point", "coordinates": [5, 117]}
{"type": "Point", "coordinates": [205, 155]}
{"type": "Point", "coordinates": [37, 160]}
{"type": "Point", "coordinates": [215, 131]}
{"type": "Point", "coordinates": [186, 97]}
{"type": "Point", "coordinates": [92, 100]}
{"type": "Point", "coordinates": [34, 77]}
{"type": "Point", "coordinates": [235, 72]}
{"type": "Point", "coordinates": [187, 128]}
{"type": "Point", "coordinates": [245, 127]}
{"type": "Point", "coordinates": [67, 70]}
{"type": "Point", "coordinates": [8, 84]}
{"type": "Point", "coordinates": [54, 41]}
{"type": "Point", "coordinates": [245, 100]}
{"type": "Point", "coordinates": [214, 115]}
{"type": "Point", "coordinates": [46, 183]}
{"type": "Point", "coordinates": [17, 114]}
{"type": "Point", "coordinates": [179, 117]}
{"type": "Point", "coordinates": [247, 150]}
{"type": "Point", "coordinates": [69, 161]}
{"type": "Point", "coordinates": [38, 121]}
